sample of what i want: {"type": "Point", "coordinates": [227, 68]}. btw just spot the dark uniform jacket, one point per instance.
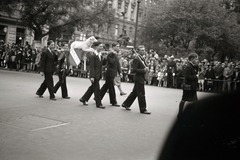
{"type": "Point", "coordinates": [210, 74]}
{"type": "Point", "coordinates": [138, 69]}
{"type": "Point", "coordinates": [236, 76]}
{"type": "Point", "coordinates": [95, 66]}
{"type": "Point", "coordinates": [171, 67]}
{"type": "Point", "coordinates": [113, 65]}
{"type": "Point", "coordinates": [47, 63]}
{"type": "Point", "coordinates": [190, 74]}
{"type": "Point", "coordinates": [219, 72]}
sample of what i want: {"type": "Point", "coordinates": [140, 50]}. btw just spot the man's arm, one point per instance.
{"type": "Point", "coordinates": [43, 61]}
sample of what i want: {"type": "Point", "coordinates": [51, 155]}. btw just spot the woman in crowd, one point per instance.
{"type": "Point", "coordinates": [236, 78]}
{"type": "Point", "coordinates": [33, 59]}
{"type": "Point", "coordinates": [227, 77]}
{"type": "Point", "coordinates": [18, 60]}
{"type": "Point", "coordinates": [151, 72]}
{"type": "Point", "coordinates": [160, 77]}
{"type": "Point", "coordinates": [28, 60]}
{"type": "Point", "coordinates": [38, 58]}
{"type": "Point", "coordinates": [209, 77]}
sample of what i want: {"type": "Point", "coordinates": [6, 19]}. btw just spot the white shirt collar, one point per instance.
{"type": "Point", "coordinates": [97, 53]}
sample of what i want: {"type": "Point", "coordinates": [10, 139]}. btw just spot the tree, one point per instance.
{"type": "Point", "coordinates": [53, 16]}
{"type": "Point", "coordinates": [177, 23]}
{"type": "Point", "coordinates": [8, 6]}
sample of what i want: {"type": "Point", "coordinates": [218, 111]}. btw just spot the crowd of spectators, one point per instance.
{"type": "Point", "coordinates": [164, 71]}
{"type": "Point", "coordinates": [20, 58]}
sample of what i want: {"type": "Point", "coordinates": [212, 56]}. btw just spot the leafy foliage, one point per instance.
{"type": "Point", "coordinates": [180, 24]}
{"type": "Point", "coordinates": [8, 6]}
{"type": "Point", "coordinates": [53, 16]}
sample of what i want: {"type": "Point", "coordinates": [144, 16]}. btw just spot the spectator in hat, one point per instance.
{"type": "Point", "coordinates": [179, 75]}
{"type": "Point", "coordinates": [236, 78]}
{"type": "Point", "coordinates": [33, 60]}
{"type": "Point", "coordinates": [18, 60]}
{"type": "Point", "coordinates": [171, 69]}
{"type": "Point", "coordinates": [218, 77]}
{"type": "Point", "coordinates": [209, 77]}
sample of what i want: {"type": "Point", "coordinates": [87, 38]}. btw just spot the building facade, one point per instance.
{"type": "Point", "coordinates": [12, 30]}
{"type": "Point", "coordinates": [124, 27]}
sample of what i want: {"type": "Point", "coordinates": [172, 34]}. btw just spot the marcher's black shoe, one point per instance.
{"type": "Point", "coordinates": [127, 108]}
{"type": "Point", "coordinates": [121, 94]}
{"type": "Point", "coordinates": [39, 95]}
{"type": "Point", "coordinates": [53, 99]}
{"type": "Point", "coordinates": [116, 105]}
{"type": "Point", "coordinates": [84, 102]}
{"type": "Point", "coordinates": [146, 112]}
{"type": "Point", "coordinates": [66, 97]}
{"type": "Point", "coordinates": [102, 107]}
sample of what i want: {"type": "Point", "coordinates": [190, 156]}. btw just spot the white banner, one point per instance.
{"type": "Point", "coordinates": [75, 56]}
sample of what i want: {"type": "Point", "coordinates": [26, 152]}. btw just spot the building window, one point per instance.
{"type": "Point", "coordinates": [132, 14]}
{"type": "Point", "coordinates": [110, 4]}
{"type": "Point", "coordinates": [108, 27]}
{"type": "Point", "coordinates": [119, 4]}
{"type": "Point", "coordinates": [130, 31]}
{"type": "Point", "coordinates": [126, 6]}
{"type": "Point", "coordinates": [124, 32]}
{"type": "Point", "coordinates": [116, 30]}
{"type": "Point", "coordinates": [140, 16]}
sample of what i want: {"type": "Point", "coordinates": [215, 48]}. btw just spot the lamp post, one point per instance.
{"type": "Point", "coordinates": [136, 24]}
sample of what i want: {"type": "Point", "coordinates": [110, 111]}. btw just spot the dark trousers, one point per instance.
{"type": "Point", "coordinates": [109, 85]}
{"type": "Point", "coordinates": [209, 85]}
{"type": "Point", "coordinates": [169, 80]}
{"type": "Point", "coordinates": [94, 88]}
{"type": "Point", "coordinates": [154, 81]}
{"type": "Point", "coordinates": [47, 84]}
{"type": "Point", "coordinates": [12, 65]}
{"type": "Point", "coordinates": [61, 83]}
{"type": "Point", "coordinates": [218, 85]}
{"type": "Point", "coordinates": [138, 91]}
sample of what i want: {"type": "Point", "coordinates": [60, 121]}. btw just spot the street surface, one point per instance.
{"type": "Point", "coordinates": [33, 128]}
